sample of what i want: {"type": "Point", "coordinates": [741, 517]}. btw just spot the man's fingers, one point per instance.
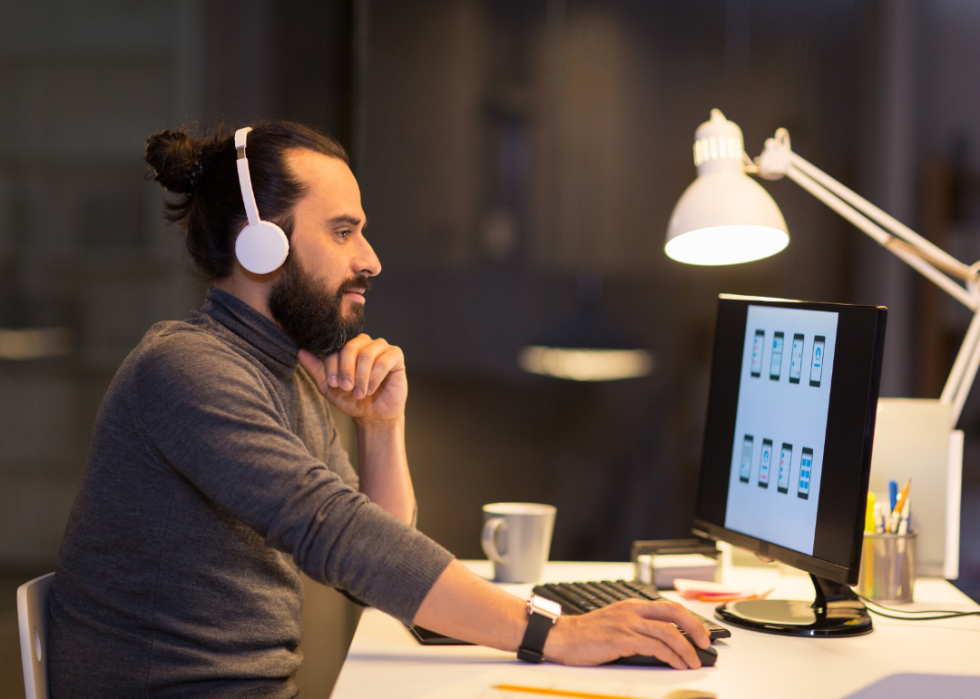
{"type": "Point", "coordinates": [367, 359]}
{"type": "Point", "coordinates": [667, 634]}
{"type": "Point", "coordinates": [659, 649]}
{"type": "Point", "coordinates": [390, 360]}
{"type": "Point", "coordinates": [667, 610]}
{"type": "Point", "coordinates": [331, 364]}
{"type": "Point", "coordinates": [357, 365]}
{"type": "Point", "coordinates": [347, 361]}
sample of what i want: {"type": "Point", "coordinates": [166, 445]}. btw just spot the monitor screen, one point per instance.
{"type": "Point", "coordinates": [788, 436]}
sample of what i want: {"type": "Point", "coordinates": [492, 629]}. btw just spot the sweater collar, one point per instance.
{"type": "Point", "coordinates": [261, 337]}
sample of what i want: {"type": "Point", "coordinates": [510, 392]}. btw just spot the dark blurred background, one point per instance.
{"type": "Point", "coordinates": [510, 154]}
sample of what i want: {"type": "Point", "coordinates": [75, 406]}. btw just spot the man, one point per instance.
{"type": "Point", "coordinates": [216, 472]}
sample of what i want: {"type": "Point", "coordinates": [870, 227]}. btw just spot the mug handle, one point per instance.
{"type": "Point", "coordinates": [489, 537]}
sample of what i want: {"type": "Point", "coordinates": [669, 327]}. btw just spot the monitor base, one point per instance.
{"type": "Point", "coordinates": [836, 611]}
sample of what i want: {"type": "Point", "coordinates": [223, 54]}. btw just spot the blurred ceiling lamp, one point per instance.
{"type": "Point", "coordinates": [586, 364]}
{"type": "Point", "coordinates": [726, 218]}
{"type": "Point", "coordinates": [586, 346]}
{"type": "Point", "coordinates": [34, 343]}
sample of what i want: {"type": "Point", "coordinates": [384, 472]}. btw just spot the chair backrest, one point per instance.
{"type": "Point", "coordinates": [32, 617]}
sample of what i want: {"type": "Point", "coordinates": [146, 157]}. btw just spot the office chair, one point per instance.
{"type": "Point", "coordinates": [32, 618]}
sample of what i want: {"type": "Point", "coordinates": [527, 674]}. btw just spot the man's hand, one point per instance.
{"type": "Point", "coordinates": [629, 627]}
{"type": "Point", "coordinates": [365, 379]}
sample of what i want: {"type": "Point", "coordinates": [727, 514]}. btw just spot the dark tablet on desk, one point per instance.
{"type": "Point", "coordinates": [431, 638]}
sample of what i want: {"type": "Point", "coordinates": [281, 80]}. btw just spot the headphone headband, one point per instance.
{"type": "Point", "coordinates": [244, 179]}
{"type": "Point", "coordinates": [240, 139]}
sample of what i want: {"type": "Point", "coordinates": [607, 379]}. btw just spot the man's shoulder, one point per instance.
{"type": "Point", "coordinates": [183, 339]}
{"type": "Point", "coordinates": [190, 351]}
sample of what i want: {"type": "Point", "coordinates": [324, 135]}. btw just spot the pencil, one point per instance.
{"type": "Point", "coordinates": [556, 692]}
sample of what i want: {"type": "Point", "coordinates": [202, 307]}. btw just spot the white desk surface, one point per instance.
{"type": "Point", "coordinates": [385, 661]}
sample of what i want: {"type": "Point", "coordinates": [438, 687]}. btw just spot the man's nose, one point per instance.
{"type": "Point", "coordinates": [366, 263]}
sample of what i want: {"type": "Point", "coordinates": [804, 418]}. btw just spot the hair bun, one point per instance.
{"type": "Point", "coordinates": [175, 158]}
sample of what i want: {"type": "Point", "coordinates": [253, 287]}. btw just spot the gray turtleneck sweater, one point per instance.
{"type": "Point", "coordinates": [215, 475]}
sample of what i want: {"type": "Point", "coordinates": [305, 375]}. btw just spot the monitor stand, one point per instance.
{"type": "Point", "coordinates": [836, 611]}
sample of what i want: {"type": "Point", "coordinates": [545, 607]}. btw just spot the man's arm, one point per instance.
{"type": "Point", "coordinates": [465, 606]}
{"type": "Point", "coordinates": [366, 380]}
{"type": "Point", "coordinates": [383, 467]}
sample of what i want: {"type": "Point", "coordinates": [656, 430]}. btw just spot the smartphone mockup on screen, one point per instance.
{"type": "Point", "coordinates": [776, 365]}
{"type": "Point", "coordinates": [765, 461]}
{"type": "Point", "coordinates": [816, 366]}
{"type": "Point", "coordinates": [806, 463]}
{"type": "Point", "coordinates": [745, 467]}
{"type": "Point", "coordinates": [785, 465]}
{"type": "Point", "coordinates": [796, 359]}
{"type": "Point", "coordinates": [758, 346]}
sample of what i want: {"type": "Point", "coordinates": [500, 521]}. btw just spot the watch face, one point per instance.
{"type": "Point", "coordinates": [544, 606]}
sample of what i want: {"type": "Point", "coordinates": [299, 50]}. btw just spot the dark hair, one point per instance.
{"type": "Point", "coordinates": [202, 172]}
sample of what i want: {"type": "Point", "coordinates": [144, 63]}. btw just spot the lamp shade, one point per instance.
{"type": "Point", "coordinates": [724, 217]}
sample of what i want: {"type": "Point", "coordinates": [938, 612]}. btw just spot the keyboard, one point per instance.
{"type": "Point", "coordinates": [582, 597]}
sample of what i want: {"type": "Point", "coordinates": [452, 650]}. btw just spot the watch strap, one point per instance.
{"type": "Point", "coordinates": [531, 649]}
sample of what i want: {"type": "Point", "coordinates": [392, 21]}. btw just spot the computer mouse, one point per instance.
{"type": "Point", "coordinates": [707, 655]}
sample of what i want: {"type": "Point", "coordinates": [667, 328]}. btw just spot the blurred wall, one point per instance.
{"type": "Point", "coordinates": [82, 244]}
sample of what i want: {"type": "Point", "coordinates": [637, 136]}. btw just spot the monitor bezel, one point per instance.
{"type": "Point", "coordinates": [844, 574]}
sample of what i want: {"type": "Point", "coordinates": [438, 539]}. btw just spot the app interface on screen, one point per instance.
{"type": "Point", "coordinates": [806, 461]}
{"type": "Point", "coordinates": [746, 467]}
{"type": "Point", "coordinates": [776, 358]}
{"type": "Point", "coordinates": [784, 421]}
{"type": "Point", "coordinates": [796, 360]}
{"type": "Point", "coordinates": [785, 463]}
{"type": "Point", "coordinates": [758, 347]}
{"type": "Point", "coordinates": [765, 459]}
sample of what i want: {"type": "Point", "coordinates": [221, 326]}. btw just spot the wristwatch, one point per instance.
{"type": "Point", "coordinates": [541, 616]}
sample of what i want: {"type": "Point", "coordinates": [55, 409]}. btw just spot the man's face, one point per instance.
{"type": "Point", "coordinates": [319, 296]}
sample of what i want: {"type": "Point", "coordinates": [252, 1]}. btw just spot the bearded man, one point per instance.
{"type": "Point", "coordinates": [216, 473]}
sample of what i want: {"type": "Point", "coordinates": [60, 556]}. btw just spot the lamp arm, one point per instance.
{"type": "Point", "coordinates": [931, 261]}
{"type": "Point", "coordinates": [882, 237]}
{"type": "Point", "coordinates": [932, 252]}
{"type": "Point", "coordinates": [964, 371]}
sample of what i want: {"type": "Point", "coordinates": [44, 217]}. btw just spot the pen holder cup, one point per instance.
{"type": "Point", "coordinates": [887, 567]}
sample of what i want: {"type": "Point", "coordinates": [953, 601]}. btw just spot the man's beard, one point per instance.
{"type": "Point", "coordinates": [311, 314]}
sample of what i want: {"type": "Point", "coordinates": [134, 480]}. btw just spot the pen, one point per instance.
{"type": "Point", "coordinates": [892, 495]}
{"type": "Point", "coordinates": [556, 692]}
{"type": "Point", "coordinates": [897, 511]}
{"type": "Point", "coordinates": [903, 523]}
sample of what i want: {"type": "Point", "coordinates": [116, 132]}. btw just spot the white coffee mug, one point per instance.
{"type": "Point", "coordinates": [517, 539]}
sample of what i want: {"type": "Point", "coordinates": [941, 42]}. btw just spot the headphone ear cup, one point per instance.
{"type": "Point", "coordinates": [261, 247]}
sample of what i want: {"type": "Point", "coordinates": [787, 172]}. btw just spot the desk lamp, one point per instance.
{"type": "Point", "coordinates": [725, 217]}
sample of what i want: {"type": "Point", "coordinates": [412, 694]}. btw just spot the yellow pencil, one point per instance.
{"type": "Point", "coordinates": [556, 692]}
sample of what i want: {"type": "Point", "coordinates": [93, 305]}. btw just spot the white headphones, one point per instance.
{"type": "Point", "coordinates": [261, 246]}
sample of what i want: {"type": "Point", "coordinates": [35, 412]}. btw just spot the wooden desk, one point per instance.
{"type": "Point", "coordinates": [384, 660]}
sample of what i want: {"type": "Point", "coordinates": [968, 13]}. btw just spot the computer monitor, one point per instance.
{"type": "Point", "coordinates": [787, 451]}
